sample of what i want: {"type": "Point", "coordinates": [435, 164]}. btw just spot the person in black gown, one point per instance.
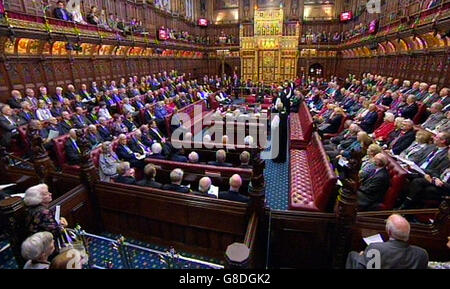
{"type": "Point", "coordinates": [280, 120]}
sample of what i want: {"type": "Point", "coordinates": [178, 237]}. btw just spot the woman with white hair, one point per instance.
{"type": "Point", "coordinates": [36, 249]}
{"type": "Point", "coordinates": [39, 216]}
{"type": "Point", "coordinates": [381, 133]}
{"type": "Point", "coordinates": [108, 162]}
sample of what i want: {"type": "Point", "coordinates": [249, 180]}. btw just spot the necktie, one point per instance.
{"type": "Point", "coordinates": [429, 160]}
{"type": "Point", "coordinates": [415, 149]}
{"type": "Point", "coordinates": [64, 14]}
{"type": "Point", "coordinates": [81, 120]}
{"type": "Point", "coordinates": [128, 150]}
{"type": "Point", "coordinates": [156, 131]}
{"type": "Point", "coordinates": [76, 146]}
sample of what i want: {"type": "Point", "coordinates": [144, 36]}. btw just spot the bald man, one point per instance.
{"type": "Point", "coordinates": [396, 253]}
{"type": "Point", "coordinates": [204, 186]}
{"type": "Point", "coordinates": [233, 193]}
{"type": "Point", "coordinates": [15, 100]}
{"type": "Point", "coordinates": [373, 189]}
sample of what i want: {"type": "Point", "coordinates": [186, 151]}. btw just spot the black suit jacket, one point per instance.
{"type": "Point", "coordinates": [72, 154]}
{"type": "Point", "coordinates": [56, 112]}
{"type": "Point", "coordinates": [125, 180]}
{"type": "Point", "coordinates": [369, 121]}
{"type": "Point", "coordinates": [394, 254]}
{"type": "Point", "coordinates": [409, 111]}
{"type": "Point", "coordinates": [105, 133]}
{"type": "Point", "coordinates": [154, 135]}
{"type": "Point", "coordinates": [59, 14]}
{"type": "Point", "coordinates": [14, 104]}
{"type": "Point", "coordinates": [64, 127]}
{"type": "Point", "coordinates": [373, 189]}
{"type": "Point", "coordinates": [214, 163]}
{"type": "Point", "coordinates": [176, 188]}
{"type": "Point", "coordinates": [150, 184]}
{"type": "Point", "coordinates": [233, 196]}
{"type": "Point", "coordinates": [148, 117]}
{"type": "Point", "coordinates": [334, 124]}
{"type": "Point", "coordinates": [123, 154]}
{"type": "Point", "coordinates": [439, 163]}
{"type": "Point", "coordinates": [404, 142]}
{"type": "Point", "coordinates": [9, 130]}
{"type": "Point", "coordinates": [25, 118]}
{"type": "Point", "coordinates": [134, 146]}
{"type": "Point", "coordinates": [80, 121]}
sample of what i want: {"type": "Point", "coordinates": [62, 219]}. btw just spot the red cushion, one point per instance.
{"type": "Point", "coordinates": [397, 181]}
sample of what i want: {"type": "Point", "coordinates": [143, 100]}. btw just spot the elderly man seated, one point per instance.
{"type": "Point", "coordinates": [193, 158]}
{"type": "Point", "coordinates": [125, 174]}
{"type": "Point", "coordinates": [233, 193]}
{"type": "Point", "coordinates": [396, 253]}
{"type": "Point", "coordinates": [221, 156]}
{"type": "Point", "coordinates": [203, 188]}
{"type": "Point", "coordinates": [176, 178]}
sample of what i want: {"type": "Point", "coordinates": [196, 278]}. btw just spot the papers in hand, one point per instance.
{"type": "Point", "coordinates": [411, 164]}
{"type": "Point", "coordinates": [53, 134]}
{"type": "Point", "coordinates": [18, 195]}
{"type": "Point", "coordinates": [58, 214]}
{"type": "Point", "coordinates": [139, 157]}
{"type": "Point", "coordinates": [373, 239]}
{"type": "Point", "coordinates": [2, 187]}
{"type": "Point", "coordinates": [343, 162]}
{"type": "Point", "coordinates": [213, 190]}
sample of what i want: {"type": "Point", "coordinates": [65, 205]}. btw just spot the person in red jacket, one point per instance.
{"type": "Point", "coordinates": [388, 126]}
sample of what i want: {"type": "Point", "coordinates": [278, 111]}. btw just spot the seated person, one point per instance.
{"type": "Point", "coordinates": [368, 165]}
{"type": "Point", "coordinates": [92, 116]}
{"type": "Point", "coordinates": [178, 156]}
{"type": "Point", "coordinates": [73, 152]}
{"type": "Point", "coordinates": [149, 180]}
{"type": "Point", "coordinates": [436, 116]}
{"type": "Point", "coordinates": [395, 253]}
{"type": "Point", "coordinates": [137, 146]}
{"type": "Point", "coordinates": [108, 162]}
{"type": "Point", "coordinates": [128, 121]}
{"type": "Point", "coordinates": [221, 156]}
{"type": "Point", "coordinates": [233, 193]}
{"type": "Point", "coordinates": [39, 217]}
{"type": "Point", "coordinates": [125, 153]}
{"type": "Point", "coordinates": [103, 130]}
{"type": "Point", "coordinates": [203, 188]}
{"type": "Point", "coordinates": [193, 158]}
{"type": "Point", "coordinates": [436, 161]}
{"type": "Point", "coordinates": [125, 174]}
{"type": "Point", "coordinates": [61, 13]}
{"type": "Point", "coordinates": [93, 136]}
{"type": "Point", "coordinates": [103, 111]}
{"type": "Point", "coordinates": [117, 126]}
{"type": "Point", "coordinates": [333, 124]}
{"type": "Point", "coordinates": [411, 108]}
{"type": "Point", "coordinates": [420, 148]}
{"type": "Point", "coordinates": [373, 189]}
{"type": "Point", "coordinates": [244, 157]}
{"type": "Point", "coordinates": [145, 138]}
{"type": "Point", "coordinates": [368, 122]}
{"type": "Point", "coordinates": [36, 249]}
{"type": "Point", "coordinates": [80, 121]}
{"type": "Point", "coordinates": [157, 152]}
{"type": "Point", "coordinates": [176, 178]}
{"type": "Point", "coordinates": [42, 112]}
{"type": "Point", "coordinates": [381, 134]}
{"type": "Point", "coordinates": [26, 114]}
{"type": "Point", "coordinates": [404, 139]}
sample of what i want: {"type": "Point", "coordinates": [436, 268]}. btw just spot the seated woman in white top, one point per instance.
{"type": "Point", "coordinates": [108, 163]}
{"type": "Point", "coordinates": [36, 249]}
{"type": "Point", "coordinates": [103, 111]}
{"type": "Point", "coordinates": [42, 112]}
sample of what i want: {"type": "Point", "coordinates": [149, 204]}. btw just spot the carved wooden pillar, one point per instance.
{"type": "Point", "coordinates": [89, 176]}
{"type": "Point", "coordinates": [12, 211]}
{"type": "Point", "coordinates": [237, 256]}
{"type": "Point", "coordinates": [43, 165]}
{"type": "Point", "coordinates": [257, 186]}
{"type": "Point", "coordinates": [346, 210]}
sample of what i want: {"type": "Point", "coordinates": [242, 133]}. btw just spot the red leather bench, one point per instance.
{"type": "Point", "coordinates": [418, 117]}
{"type": "Point", "coordinates": [397, 181]}
{"type": "Point", "coordinates": [61, 156]}
{"type": "Point", "coordinates": [312, 179]}
{"type": "Point", "coordinates": [301, 128]}
{"type": "Point", "coordinates": [341, 128]}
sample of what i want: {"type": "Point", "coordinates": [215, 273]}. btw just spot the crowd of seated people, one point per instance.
{"type": "Point", "coordinates": [409, 123]}
{"type": "Point", "coordinates": [321, 37]}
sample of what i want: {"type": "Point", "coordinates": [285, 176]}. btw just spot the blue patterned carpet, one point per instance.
{"type": "Point", "coordinates": [277, 185]}
{"type": "Point", "coordinates": [102, 254]}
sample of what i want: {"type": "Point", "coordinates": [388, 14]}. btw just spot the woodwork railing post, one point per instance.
{"type": "Point", "coordinates": [89, 176]}
{"type": "Point", "coordinates": [346, 211]}
{"type": "Point", "coordinates": [257, 186]}
{"type": "Point", "coordinates": [12, 211]}
{"type": "Point", "coordinates": [237, 256]}
{"type": "Point", "coordinates": [42, 163]}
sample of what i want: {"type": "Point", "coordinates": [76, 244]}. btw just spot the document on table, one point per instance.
{"type": "Point", "coordinates": [53, 134]}
{"type": "Point", "coordinates": [213, 190]}
{"type": "Point", "coordinates": [2, 187]}
{"type": "Point", "coordinates": [373, 239]}
{"type": "Point", "coordinates": [411, 164]}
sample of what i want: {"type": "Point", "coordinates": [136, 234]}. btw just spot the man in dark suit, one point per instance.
{"type": "Point", "coordinates": [411, 109]}
{"type": "Point", "coordinates": [16, 100]}
{"type": "Point", "coordinates": [93, 136]}
{"type": "Point", "coordinates": [136, 144]}
{"type": "Point", "coordinates": [203, 188]}
{"type": "Point", "coordinates": [125, 174]}
{"type": "Point", "coordinates": [233, 193]}
{"type": "Point", "coordinates": [66, 124]}
{"type": "Point", "coordinates": [157, 152]}
{"type": "Point", "coordinates": [73, 152]}
{"type": "Point", "coordinates": [57, 109]}
{"type": "Point", "coordinates": [404, 139]}
{"type": "Point", "coordinates": [60, 12]}
{"type": "Point", "coordinates": [245, 160]}
{"type": "Point", "coordinates": [155, 133]}
{"type": "Point", "coordinates": [221, 156]}
{"type": "Point", "coordinates": [9, 125]}
{"type": "Point", "coordinates": [436, 162]}
{"type": "Point", "coordinates": [373, 188]}
{"type": "Point", "coordinates": [146, 139]}
{"type": "Point", "coordinates": [148, 115]}
{"type": "Point", "coordinates": [393, 254]}
{"type": "Point", "coordinates": [369, 121]}
{"type": "Point", "coordinates": [176, 177]}
{"type": "Point", "coordinates": [79, 120]}
{"type": "Point", "coordinates": [126, 154]}
{"type": "Point", "coordinates": [25, 115]}
{"type": "Point", "coordinates": [103, 130]}
{"type": "Point", "coordinates": [149, 180]}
